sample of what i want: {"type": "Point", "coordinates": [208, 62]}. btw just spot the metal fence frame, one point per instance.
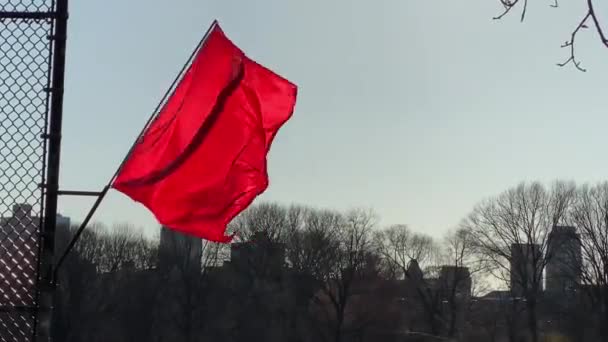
{"type": "Point", "coordinates": [30, 176]}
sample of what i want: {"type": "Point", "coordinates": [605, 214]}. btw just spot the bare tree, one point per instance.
{"type": "Point", "coordinates": [589, 18]}
{"type": "Point", "coordinates": [311, 253]}
{"type": "Point", "coordinates": [403, 248]}
{"type": "Point", "coordinates": [269, 218]}
{"type": "Point", "coordinates": [355, 264]}
{"type": "Point", "coordinates": [77, 297]}
{"type": "Point", "coordinates": [461, 267]}
{"type": "Point", "coordinates": [124, 246]}
{"type": "Point", "coordinates": [124, 279]}
{"type": "Point", "coordinates": [400, 245]}
{"type": "Point", "coordinates": [265, 294]}
{"type": "Point", "coordinates": [511, 234]}
{"type": "Point", "coordinates": [335, 249]}
{"type": "Point", "coordinates": [590, 215]}
{"type": "Point", "coordinates": [312, 249]}
{"type": "Point", "coordinates": [100, 281]}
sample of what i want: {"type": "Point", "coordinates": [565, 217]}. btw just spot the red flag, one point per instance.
{"type": "Point", "coordinates": [203, 159]}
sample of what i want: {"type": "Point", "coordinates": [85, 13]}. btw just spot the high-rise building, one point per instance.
{"type": "Point", "coordinates": [259, 255]}
{"type": "Point", "coordinates": [179, 250]}
{"type": "Point", "coordinates": [564, 260]}
{"type": "Point", "coordinates": [455, 280]}
{"type": "Point", "coordinates": [526, 269]}
{"type": "Point", "coordinates": [63, 222]}
{"type": "Point", "coordinates": [19, 254]}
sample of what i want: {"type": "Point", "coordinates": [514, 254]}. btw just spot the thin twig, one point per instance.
{"type": "Point", "coordinates": [508, 7]}
{"type": "Point", "coordinates": [523, 11]}
{"type": "Point", "coordinates": [590, 13]}
{"type": "Point", "coordinates": [570, 43]}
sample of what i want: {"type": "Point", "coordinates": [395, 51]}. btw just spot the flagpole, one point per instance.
{"type": "Point", "coordinates": [163, 99]}
{"type": "Point", "coordinates": [101, 195]}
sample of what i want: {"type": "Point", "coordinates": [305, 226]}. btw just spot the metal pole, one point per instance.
{"type": "Point", "coordinates": [83, 225]}
{"type": "Point", "coordinates": [46, 281]}
{"type": "Point", "coordinates": [26, 15]}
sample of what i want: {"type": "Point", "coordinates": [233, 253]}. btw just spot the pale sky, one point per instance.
{"type": "Point", "coordinates": [416, 108]}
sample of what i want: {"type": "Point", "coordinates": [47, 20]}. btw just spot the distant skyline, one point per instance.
{"type": "Point", "coordinates": [417, 109]}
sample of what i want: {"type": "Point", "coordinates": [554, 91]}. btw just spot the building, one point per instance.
{"type": "Point", "coordinates": [256, 296]}
{"type": "Point", "coordinates": [19, 254]}
{"type": "Point", "coordinates": [178, 250]}
{"type": "Point", "coordinates": [19, 234]}
{"type": "Point", "coordinates": [455, 280]}
{"type": "Point", "coordinates": [259, 255]}
{"type": "Point", "coordinates": [564, 259]}
{"type": "Point", "coordinates": [526, 269]}
{"type": "Point", "coordinates": [63, 222]}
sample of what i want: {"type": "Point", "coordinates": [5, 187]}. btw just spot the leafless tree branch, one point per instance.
{"type": "Point", "coordinates": [570, 44]}
{"type": "Point", "coordinates": [510, 4]}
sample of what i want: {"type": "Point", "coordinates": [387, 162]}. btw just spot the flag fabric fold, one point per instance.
{"type": "Point", "coordinates": [202, 160]}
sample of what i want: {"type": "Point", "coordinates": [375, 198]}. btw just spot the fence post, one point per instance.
{"type": "Point", "coordinates": [46, 281]}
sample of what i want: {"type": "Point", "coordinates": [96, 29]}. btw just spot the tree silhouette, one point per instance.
{"type": "Point", "coordinates": [511, 234]}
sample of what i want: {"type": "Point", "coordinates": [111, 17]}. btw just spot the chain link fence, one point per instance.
{"type": "Point", "coordinates": [25, 56]}
{"type": "Point", "coordinates": [27, 6]}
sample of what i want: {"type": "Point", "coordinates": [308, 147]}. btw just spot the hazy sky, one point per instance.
{"type": "Point", "coordinates": [416, 108]}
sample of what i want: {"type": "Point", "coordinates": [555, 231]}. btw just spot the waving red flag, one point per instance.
{"type": "Point", "coordinates": [203, 159]}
